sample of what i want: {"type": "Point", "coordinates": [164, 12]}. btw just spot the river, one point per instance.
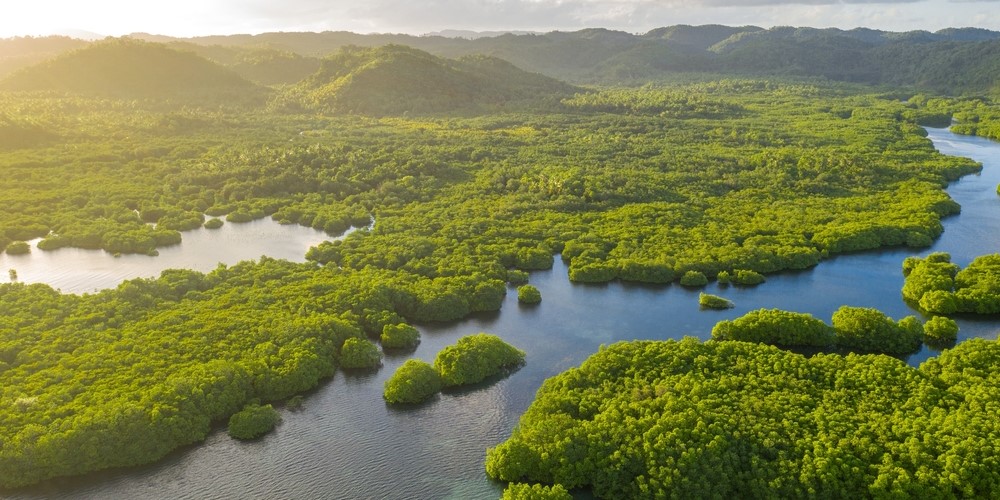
{"type": "Point", "coordinates": [347, 443]}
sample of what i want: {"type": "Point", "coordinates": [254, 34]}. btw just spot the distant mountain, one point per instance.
{"type": "Point", "coordinates": [394, 79]}
{"type": "Point", "coordinates": [953, 60]}
{"type": "Point", "coordinates": [21, 52]}
{"type": "Point", "coordinates": [471, 35]}
{"type": "Point", "coordinates": [133, 69]}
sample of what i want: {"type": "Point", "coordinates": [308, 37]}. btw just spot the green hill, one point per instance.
{"type": "Point", "coordinates": [394, 79]}
{"type": "Point", "coordinates": [126, 68]}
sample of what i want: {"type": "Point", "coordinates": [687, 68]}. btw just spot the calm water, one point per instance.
{"type": "Point", "coordinates": [74, 270]}
{"type": "Point", "coordinates": [346, 443]}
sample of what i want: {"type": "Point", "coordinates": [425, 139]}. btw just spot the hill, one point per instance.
{"type": "Point", "coordinates": [126, 68]}
{"type": "Point", "coordinates": [394, 79]}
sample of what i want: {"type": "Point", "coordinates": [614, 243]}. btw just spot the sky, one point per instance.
{"type": "Point", "coordinates": [185, 18]}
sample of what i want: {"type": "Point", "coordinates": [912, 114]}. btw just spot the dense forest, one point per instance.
{"type": "Point", "coordinates": [462, 175]}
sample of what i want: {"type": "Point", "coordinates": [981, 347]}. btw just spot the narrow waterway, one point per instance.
{"type": "Point", "coordinates": [346, 443]}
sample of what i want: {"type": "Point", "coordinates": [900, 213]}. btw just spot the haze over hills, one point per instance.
{"type": "Point", "coordinates": [395, 79]}
{"type": "Point", "coordinates": [951, 61]}
{"type": "Point", "coordinates": [132, 69]}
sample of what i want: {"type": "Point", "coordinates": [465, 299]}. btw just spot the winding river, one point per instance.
{"type": "Point", "coordinates": [346, 443]}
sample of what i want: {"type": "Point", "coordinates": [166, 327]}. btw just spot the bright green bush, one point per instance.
{"type": "Point", "coordinates": [747, 277]}
{"type": "Point", "coordinates": [710, 301]}
{"type": "Point", "coordinates": [694, 279]}
{"type": "Point", "coordinates": [517, 276]}
{"type": "Point", "coordinates": [414, 381]}
{"type": "Point", "coordinates": [521, 491]}
{"type": "Point", "coordinates": [940, 330]}
{"type": "Point", "coordinates": [358, 353]}
{"type": "Point", "coordinates": [474, 358]}
{"type": "Point", "coordinates": [399, 336]}
{"type": "Point", "coordinates": [253, 421]}
{"type": "Point", "coordinates": [870, 330]}
{"type": "Point", "coordinates": [527, 294]}
{"type": "Point", "coordinates": [776, 327]}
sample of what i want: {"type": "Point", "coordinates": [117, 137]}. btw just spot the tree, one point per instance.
{"type": "Point", "coordinates": [253, 421]}
{"type": "Point", "coordinates": [474, 358]}
{"type": "Point", "coordinates": [527, 294]}
{"type": "Point", "coordinates": [414, 381]}
{"type": "Point", "coordinates": [358, 353]}
{"type": "Point", "coordinates": [399, 336]}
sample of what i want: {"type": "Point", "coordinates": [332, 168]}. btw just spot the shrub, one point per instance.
{"type": "Point", "coordinates": [399, 336]}
{"type": "Point", "coordinates": [528, 294]}
{"type": "Point", "coordinates": [870, 330]}
{"type": "Point", "coordinates": [474, 358]}
{"type": "Point", "coordinates": [517, 276]}
{"type": "Point", "coordinates": [747, 277]}
{"type": "Point", "coordinates": [724, 278]}
{"type": "Point", "coordinates": [694, 279]}
{"type": "Point", "coordinates": [253, 421]}
{"type": "Point", "coordinates": [522, 491]}
{"type": "Point", "coordinates": [413, 382]}
{"type": "Point", "coordinates": [213, 223]}
{"type": "Point", "coordinates": [18, 248]}
{"type": "Point", "coordinates": [710, 301]}
{"type": "Point", "coordinates": [776, 327]}
{"type": "Point", "coordinates": [359, 353]}
{"type": "Point", "coordinates": [940, 330]}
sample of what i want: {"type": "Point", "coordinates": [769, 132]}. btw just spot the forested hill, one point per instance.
{"type": "Point", "coordinates": [954, 60]}
{"type": "Point", "coordinates": [126, 68]}
{"type": "Point", "coordinates": [395, 79]}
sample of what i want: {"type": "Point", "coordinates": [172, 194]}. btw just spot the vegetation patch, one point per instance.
{"type": "Point", "coordinates": [253, 421]}
{"type": "Point", "coordinates": [528, 294]}
{"type": "Point", "coordinates": [937, 286]}
{"type": "Point", "coordinates": [399, 336]}
{"type": "Point", "coordinates": [475, 358]}
{"type": "Point", "coordinates": [709, 301]}
{"type": "Point", "coordinates": [413, 382]}
{"type": "Point", "coordinates": [734, 419]}
{"type": "Point", "coordinates": [360, 354]}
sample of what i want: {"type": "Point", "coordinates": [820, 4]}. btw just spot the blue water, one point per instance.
{"type": "Point", "coordinates": [346, 443]}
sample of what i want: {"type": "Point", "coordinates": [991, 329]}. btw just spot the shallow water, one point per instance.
{"type": "Point", "coordinates": [346, 443]}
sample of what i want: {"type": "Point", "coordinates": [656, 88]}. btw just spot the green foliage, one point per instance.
{"type": "Point", "coordinates": [213, 223]}
{"type": "Point", "coordinates": [710, 301]}
{"type": "Point", "coordinates": [517, 277]}
{"type": "Point", "coordinates": [399, 336]}
{"type": "Point", "coordinates": [746, 277]}
{"type": "Point", "coordinates": [414, 381]}
{"type": "Point", "coordinates": [358, 353]}
{"type": "Point", "coordinates": [253, 421]}
{"type": "Point", "coordinates": [940, 330]}
{"type": "Point", "coordinates": [394, 79]}
{"type": "Point", "coordinates": [869, 330]}
{"type": "Point", "coordinates": [475, 358]}
{"type": "Point", "coordinates": [527, 294]}
{"type": "Point", "coordinates": [776, 327]}
{"type": "Point", "coordinates": [739, 420]}
{"type": "Point", "coordinates": [18, 248]}
{"type": "Point", "coordinates": [939, 287]}
{"type": "Point", "coordinates": [694, 279]}
{"type": "Point", "coordinates": [521, 491]}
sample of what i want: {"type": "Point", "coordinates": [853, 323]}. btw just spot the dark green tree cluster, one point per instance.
{"type": "Point", "coordinates": [855, 328]}
{"type": "Point", "coordinates": [253, 421]}
{"type": "Point", "coordinates": [475, 358]}
{"type": "Point", "coordinates": [528, 294]}
{"type": "Point", "coordinates": [710, 301]}
{"type": "Point", "coordinates": [414, 381]}
{"type": "Point", "coordinates": [694, 279]}
{"type": "Point", "coordinates": [685, 419]}
{"type": "Point", "coordinates": [18, 248]}
{"type": "Point", "coordinates": [360, 354]}
{"type": "Point", "coordinates": [940, 331]}
{"type": "Point", "coordinates": [521, 491]}
{"type": "Point", "coordinates": [938, 286]}
{"type": "Point", "coordinates": [399, 336]}
{"type": "Point", "coordinates": [472, 359]}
